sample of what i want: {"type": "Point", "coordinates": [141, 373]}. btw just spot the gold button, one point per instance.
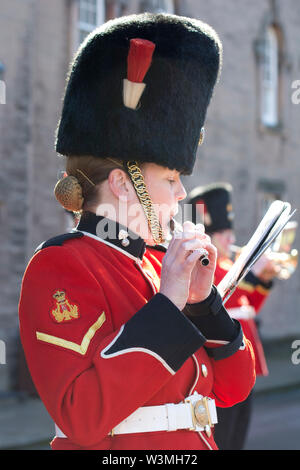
{"type": "Point", "coordinates": [204, 370]}
{"type": "Point", "coordinates": [202, 135]}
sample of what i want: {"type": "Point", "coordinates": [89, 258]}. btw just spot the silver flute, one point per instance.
{"type": "Point", "coordinates": [176, 227]}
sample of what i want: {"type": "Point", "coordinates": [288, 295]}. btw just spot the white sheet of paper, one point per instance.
{"type": "Point", "coordinates": [269, 228]}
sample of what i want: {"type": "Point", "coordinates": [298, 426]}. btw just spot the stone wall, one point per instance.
{"type": "Point", "coordinates": [34, 51]}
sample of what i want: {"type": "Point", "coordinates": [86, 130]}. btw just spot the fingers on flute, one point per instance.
{"type": "Point", "coordinates": [190, 238]}
{"type": "Point", "coordinates": [191, 260]}
{"type": "Point", "coordinates": [192, 245]}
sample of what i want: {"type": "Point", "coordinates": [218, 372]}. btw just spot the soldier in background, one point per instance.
{"type": "Point", "coordinates": [213, 204]}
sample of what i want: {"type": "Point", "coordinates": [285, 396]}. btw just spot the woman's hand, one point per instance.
{"type": "Point", "coordinates": [202, 277]}
{"type": "Point", "coordinates": [183, 277]}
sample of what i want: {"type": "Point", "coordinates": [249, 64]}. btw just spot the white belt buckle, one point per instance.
{"type": "Point", "coordinates": [201, 413]}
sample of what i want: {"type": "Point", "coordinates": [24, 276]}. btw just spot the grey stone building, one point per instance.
{"type": "Point", "coordinates": [252, 131]}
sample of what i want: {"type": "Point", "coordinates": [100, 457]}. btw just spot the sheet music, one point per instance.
{"type": "Point", "coordinates": [277, 216]}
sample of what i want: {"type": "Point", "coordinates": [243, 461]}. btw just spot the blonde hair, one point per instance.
{"type": "Point", "coordinates": [81, 185]}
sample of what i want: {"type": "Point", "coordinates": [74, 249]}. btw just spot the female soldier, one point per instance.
{"type": "Point", "coordinates": [129, 348]}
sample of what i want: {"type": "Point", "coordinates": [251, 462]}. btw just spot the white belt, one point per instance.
{"type": "Point", "coordinates": [245, 312]}
{"type": "Point", "coordinates": [197, 413]}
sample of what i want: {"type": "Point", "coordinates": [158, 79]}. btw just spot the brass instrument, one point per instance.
{"type": "Point", "coordinates": [280, 251]}
{"type": "Point", "coordinates": [287, 263]}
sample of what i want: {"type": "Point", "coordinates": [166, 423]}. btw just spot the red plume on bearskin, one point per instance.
{"type": "Point", "coordinates": [138, 63]}
{"type": "Point", "coordinates": [139, 59]}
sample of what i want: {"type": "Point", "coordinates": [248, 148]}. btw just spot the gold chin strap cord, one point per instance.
{"type": "Point", "coordinates": [145, 200]}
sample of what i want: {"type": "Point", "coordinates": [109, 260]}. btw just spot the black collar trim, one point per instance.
{"type": "Point", "coordinates": [109, 231]}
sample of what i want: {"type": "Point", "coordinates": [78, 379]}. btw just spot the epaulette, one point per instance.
{"type": "Point", "coordinates": [257, 283]}
{"type": "Point", "coordinates": [158, 248]}
{"type": "Point", "coordinates": [58, 240]}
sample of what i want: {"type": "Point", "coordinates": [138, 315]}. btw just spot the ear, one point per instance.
{"type": "Point", "coordinates": [120, 185]}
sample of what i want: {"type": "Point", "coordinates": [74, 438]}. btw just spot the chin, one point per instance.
{"type": "Point", "coordinates": [166, 231]}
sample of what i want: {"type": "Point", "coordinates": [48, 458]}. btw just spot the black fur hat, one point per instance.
{"type": "Point", "coordinates": [165, 126]}
{"type": "Point", "coordinates": [213, 204]}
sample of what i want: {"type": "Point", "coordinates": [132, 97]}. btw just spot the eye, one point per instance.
{"type": "Point", "coordinates": [171, 180]}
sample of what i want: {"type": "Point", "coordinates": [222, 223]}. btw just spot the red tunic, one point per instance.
{"type": "Point", "coordinates": [100, 342]}
{"type": "Point", "coordinates": [249, 293]}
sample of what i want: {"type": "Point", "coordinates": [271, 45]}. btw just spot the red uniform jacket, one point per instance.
{"type": "Point", "coordinates": [100, 342]}
{"type": "Point", "coordinates": [250, 293]}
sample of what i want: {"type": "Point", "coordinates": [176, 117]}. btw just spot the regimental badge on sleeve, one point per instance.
{"type": "Point", "coordinates": [63, 310]}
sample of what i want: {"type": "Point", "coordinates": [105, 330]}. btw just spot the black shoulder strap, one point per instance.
{"type": "Point", "coordinates": [58, 240]}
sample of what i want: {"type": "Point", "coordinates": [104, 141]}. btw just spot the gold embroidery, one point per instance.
{"type": "Point", "coordinates": [246, 286]}
{"type": "Point", "coordinates": [64, 311]}
{"type": "Point", "coordinates": [262, 290]}
{"type": "Point", "coordinates": [250, 288]}
{"type": "Point", "coordinates": [79, 348]}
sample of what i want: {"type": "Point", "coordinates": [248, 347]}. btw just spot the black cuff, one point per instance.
{"type": "Point", "coordinates": [251, 278]}
{"type": "Point", "coordinates": [160, 328]}
{"type": "Point", "coordinates": [222, 352]}
{"type": "Point", "coordinates": [211, 318]}
{"type": "Point", "coordinates": [212, 304]}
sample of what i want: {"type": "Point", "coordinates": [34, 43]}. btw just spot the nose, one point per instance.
{"type": "Point", "coordinates": [181, 193]}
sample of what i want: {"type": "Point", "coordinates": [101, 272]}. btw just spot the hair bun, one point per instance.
{"type": "Point", "coordinates": [68, 192]}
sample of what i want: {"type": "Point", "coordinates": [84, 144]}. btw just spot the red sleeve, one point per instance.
{"type": "Point", "coordinates": [234, 376]}
{"type": "Point", "coordinates": [89, 375]}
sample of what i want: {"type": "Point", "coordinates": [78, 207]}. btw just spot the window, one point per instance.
{"type": "Point", "coordinates": [2, 85]}
{"type": "Point", "coordinates": [268, 192]}
{"type": "Point", "coordinates": [91, 13]}
{"type": "Point", "coordinates": [269, 79]}
{"type": "Point", "coordinates": [158, 6]}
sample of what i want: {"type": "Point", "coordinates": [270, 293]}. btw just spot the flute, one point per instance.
{"type": "Point", "coordinates": [177, 228]}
